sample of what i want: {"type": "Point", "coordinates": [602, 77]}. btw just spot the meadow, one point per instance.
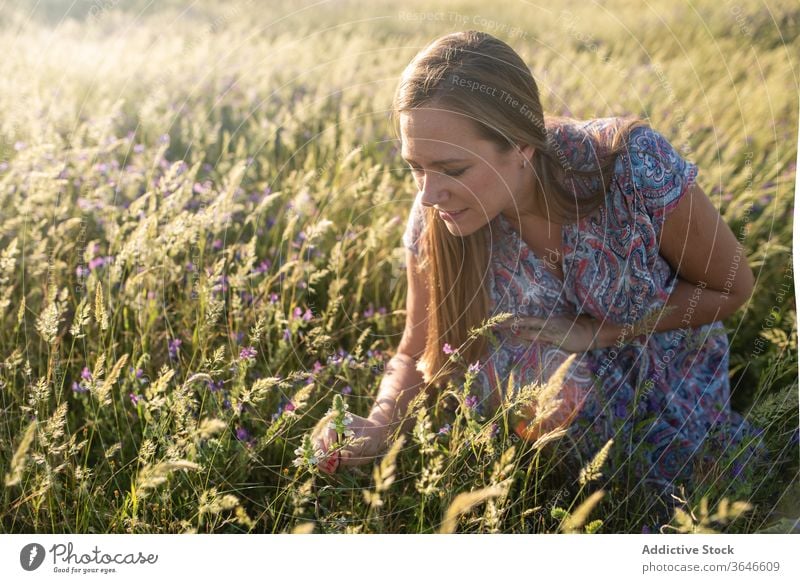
{"type": "Point", "coordinates": [201, 207]}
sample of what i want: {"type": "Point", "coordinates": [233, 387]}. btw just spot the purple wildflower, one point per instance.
{"type": "Point", "coordinates": [472, 401]}
{"type": "Point", "coordinates": [298, 312]}
{"type": "Point", "coordinates": [242, 434]}
{"type": "Point", "coordinates": [287, 335]}
{"type": "Point", "coordinates": [289, 406]}
{"type": "Point", "coordinates": [86, 373]}
{"type": "Point", "coordinates": [474, 367]}
{"type": "Point", "coordinates": [174, 345]}
{"type": "Point", "coordinates": [79, 388]}
{"type": "Point", "coordinates": [135, 398]}
{"type": "Point", "coordinates": [215, 386]}
{"type": "Point", "coordinates": [96, 262]}
{"type": "Point", "coordinates": [347, 390]}
{"type": "Point", "coordinates": [447, 349]}
{"type": "Point", "coordinates": [273, 298]}
{"type": "Point", "coordinates": [445, 429]}
{"type": "Point", "coordinates": [369, 312]}
{"type": "Point", "coordinates": [263, 266]}
{"type": "Point", "coordinates": [138, 148]}
{"type": "Point", "coordinates": [217, 244]}
{"type": "Point", "coordinates": [247, 352]}
{"type": "Point", "coordinates": [308, 315]}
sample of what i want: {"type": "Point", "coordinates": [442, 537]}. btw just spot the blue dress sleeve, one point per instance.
{"type": "Point", "coordinates": [416, 220]}
{"type": "Point", "coordinates": [660, 175]}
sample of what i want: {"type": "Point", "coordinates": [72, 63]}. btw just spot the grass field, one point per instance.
{"type": "Point", "coordinates": [201, 207]}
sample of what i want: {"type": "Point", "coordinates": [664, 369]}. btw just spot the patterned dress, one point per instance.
{"type": "Point", "coordinates": [664, 398]}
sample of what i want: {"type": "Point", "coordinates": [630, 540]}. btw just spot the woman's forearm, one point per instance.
{"type": "Point", "coordinates": [689, 305]}
{"type": "Point", "coordinates": [399, 385]}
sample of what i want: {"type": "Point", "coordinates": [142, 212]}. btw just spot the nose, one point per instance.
{"type": "Point", "coordinates": [433, 189]}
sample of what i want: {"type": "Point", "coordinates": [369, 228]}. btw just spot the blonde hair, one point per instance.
{"type": "Point", "coordinates": [442, 75]}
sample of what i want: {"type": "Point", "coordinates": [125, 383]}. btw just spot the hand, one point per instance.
{"type": "Point", "coordinates": [368, 441]}
{"type": "Point", "coordinates": [567, 332]}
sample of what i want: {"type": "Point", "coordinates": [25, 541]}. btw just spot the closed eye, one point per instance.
{"type": "Point", "coordinates": [417, 170]}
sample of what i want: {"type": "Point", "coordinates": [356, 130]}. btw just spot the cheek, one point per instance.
{"type": "Point", "coordinates": [491, 189]}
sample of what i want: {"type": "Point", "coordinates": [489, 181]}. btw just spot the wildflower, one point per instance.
{"type": "Point", "coordinates": [474, 367]}
{"type": "Point", "coordinates": [237, 336]}
{"type": "Point", "coordinates": [263, 266]}
{"type": "Point", "coordinates": [134, 398]}
{"type": "Point", "coordinates": [273, 298]}
{"type": "Point", "coordinates": [369, 312]}
{"type": "Point", "coordinates": [174, 345]}
{"type": "Point", "coordinates": [289, 406]}
{"type": "Point", "coordinates": [472, 401]}
{"type": "Point", "coordinates": [306, 455]}
{"type": "Point", "coordinates": [298, 312]}
{"type": "Point", "coordinates": [138, 148]}
{"type": "Point", "coordinates": [347, 390]}
{"type": "Point", "coordinates": [382, 311]}
{"type": "Point", "coordinates": [445, 429]}
{"type": "Point", "coordinates": [164, 139]}
{"type": "Point", "coordinates": [737, 469]}
{"type": "Point", "coordinates": [79, 388]}
{"type": "Point", "coordinates": [247, 352]}
{"type": "Point", "coordinates": [340, 418]}
{"type": "Point", "coordinates": [217, 244]}
{"type": "Point", "coordinates": [215, 386]}
{"type": "Point", "coordinates": [242, 434]}
{"type": "Point", "coordinates": [86, 374]}
{"type": "Point", "coordinates": [317, 367]}
{"type": "Point", "coordinates": [447, 349]}
{"type": "Point", "coordinates": [286, 334]}
{"type": "Point", "coordinates": [308, 315]}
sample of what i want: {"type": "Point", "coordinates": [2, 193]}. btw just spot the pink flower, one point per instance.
{"type": "Point", "coordinates": [447, 349]}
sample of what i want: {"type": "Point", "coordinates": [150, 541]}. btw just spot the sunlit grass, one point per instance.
{"type": "Point", "coordinates": [200, 228]}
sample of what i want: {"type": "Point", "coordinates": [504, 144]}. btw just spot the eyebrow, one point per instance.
{"type": "Point", "coordinates": [438, 162]}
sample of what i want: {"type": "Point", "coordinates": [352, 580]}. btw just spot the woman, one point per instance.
{"type": "Point", "coordinates": [597, 239]}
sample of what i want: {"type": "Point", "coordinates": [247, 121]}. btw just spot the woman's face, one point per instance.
{"type": "Point", "coordinates": [457, 170]}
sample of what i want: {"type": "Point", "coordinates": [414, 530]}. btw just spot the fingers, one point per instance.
{"type": "Point", "coordinates": [330, 464]}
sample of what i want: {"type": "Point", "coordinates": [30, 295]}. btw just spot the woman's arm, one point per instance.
{"type": "Point", "coordinates": [693, 305]}
{"type": "Point", "coordinates": [714, 277]}
{"type": "Point", "coordinates": [399, 385]}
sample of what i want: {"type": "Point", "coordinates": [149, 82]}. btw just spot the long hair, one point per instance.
{"type": "Point", "coordinates": [456, 268]}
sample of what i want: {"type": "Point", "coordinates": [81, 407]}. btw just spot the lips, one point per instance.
{"type": "Point", "coordinates": [451, 215]}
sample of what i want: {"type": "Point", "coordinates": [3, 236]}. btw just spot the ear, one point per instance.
{"type": "Point", "coordinates": [526, 151]}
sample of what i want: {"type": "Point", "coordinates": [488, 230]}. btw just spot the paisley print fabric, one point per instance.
{"type": "Point", "coordinates": [663, 398]}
